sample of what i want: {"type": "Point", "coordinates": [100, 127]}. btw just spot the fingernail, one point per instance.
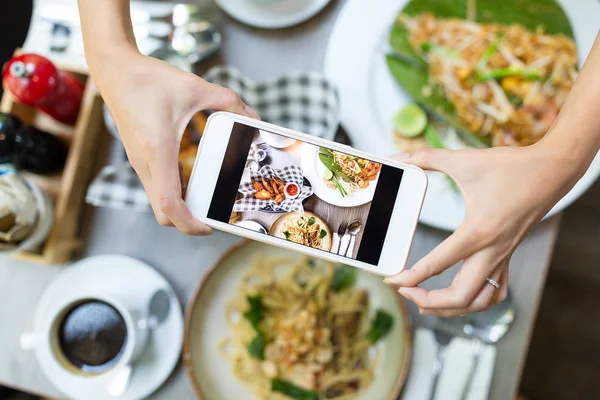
{"type": "Point", "coordinates": [401, 156]}
{"type": "Point", "coordinates": [426, 313]}
{"type": "Point", "coordinates": [207, 231]}
{"type": "Point", "coordinates": [251, 113]}
{"type": "Point", "coordinates": [404, 293]}
{"type": "Point", "coordinates": [393, 280]}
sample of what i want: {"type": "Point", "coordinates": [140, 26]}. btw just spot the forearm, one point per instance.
{"type": "Point", "coordinates": [107, 32]}
{"type": "Point", "coordinates": [575, 134]}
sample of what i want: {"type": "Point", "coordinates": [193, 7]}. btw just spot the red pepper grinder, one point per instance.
{"type": "Point", "coordinates": [35, 81]}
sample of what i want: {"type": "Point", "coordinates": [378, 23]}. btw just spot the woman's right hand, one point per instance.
{"type": "Point", "coordinates": [151, 103]}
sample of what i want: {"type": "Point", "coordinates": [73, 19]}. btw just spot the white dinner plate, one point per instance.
{"type": "Point", "coordinates": [272, 14]}
{"type": "Point", "coordinates": [206, 326]}
{"type": "Point", "coordinates": [313, 170]}
{"type": "Point", "coordinates": [127, 276]}
{"type": "Point", "coordinates": [370, 97]}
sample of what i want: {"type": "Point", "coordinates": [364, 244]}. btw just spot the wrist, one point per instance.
{"type": "Point", "coordinates": [563, 166]}
{"type": "Point", "coordinates": [107, 62]}
{"type": "Point", "coordinates": [573, 156]}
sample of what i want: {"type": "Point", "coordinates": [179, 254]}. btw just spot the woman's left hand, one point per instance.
{"type": "Point", "coordinates": [507, 191]}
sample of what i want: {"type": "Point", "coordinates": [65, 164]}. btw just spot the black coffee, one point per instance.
{"type": "Point", "coordinates": [92, 336]}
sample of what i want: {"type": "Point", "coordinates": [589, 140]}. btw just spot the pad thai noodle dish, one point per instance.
{"type": "Point", "coordinates": [502, 80]}
{"type": "Point", "coordinates": [304, 229]}
{"type": "Point", "coordinates": [347, 173]}
{"type": "Point", "coordinates": [301, 329]}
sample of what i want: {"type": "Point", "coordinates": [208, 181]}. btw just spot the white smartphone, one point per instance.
{"type": "Point", "coordinates": [297, 191]}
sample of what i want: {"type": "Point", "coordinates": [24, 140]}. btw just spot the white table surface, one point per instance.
{"type": "Point", "coordinates": [183, 260]}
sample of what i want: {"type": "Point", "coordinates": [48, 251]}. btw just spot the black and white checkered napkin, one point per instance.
{"type": "Point", "coordinates": [288, 174]}
{"type": "Point", "coordinates": [305, 102]}
{"type": "Point", "coordinates": [118, 186]}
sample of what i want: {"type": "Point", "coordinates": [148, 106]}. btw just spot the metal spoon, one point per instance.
{"type": "Point", "coordinates": [487, 328]}
{"type": "Point", "coordinates": [190, 44]}
{"type": "Point", "coordinates": [353, 229]}
{"type": "Point", "coordinates": [158, 311]}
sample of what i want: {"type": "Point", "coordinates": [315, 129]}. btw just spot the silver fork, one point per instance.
{"type": "Point", "coordinates": [477, 347]}
{"type": "Point", "coordinates": [443, 337]}
{"type": "Point", "coordinates": [341, 232]}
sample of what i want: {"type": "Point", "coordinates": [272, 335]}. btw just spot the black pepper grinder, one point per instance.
{"type": "Point", "coordinates": [28, 148]}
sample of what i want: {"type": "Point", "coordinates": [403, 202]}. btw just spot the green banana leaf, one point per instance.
{"type": "Point", "coordinates": [410, 71]}
{"type": "Point", "coordinates": [529, 13]}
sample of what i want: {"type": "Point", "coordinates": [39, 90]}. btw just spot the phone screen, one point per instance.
{"type": "Point", "coordinates": [306, 194]}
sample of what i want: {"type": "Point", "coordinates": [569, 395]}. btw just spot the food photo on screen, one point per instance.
{"type": "Point", "coordinates": [304, 193]}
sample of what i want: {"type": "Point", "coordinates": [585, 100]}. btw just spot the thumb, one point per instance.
{"type": "Point", "coordinates": [218, 98]}
{"type": "Point", "coordinates": [440, 160]}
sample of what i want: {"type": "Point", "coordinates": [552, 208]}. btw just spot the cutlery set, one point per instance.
{"type": "Point", "coordinates": [346, 231]}
{"type": "Point", "coordinates": [482, 328]}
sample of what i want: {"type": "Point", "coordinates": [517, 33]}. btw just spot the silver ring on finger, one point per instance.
{"type": "Point", "coordinates": [493, 283]}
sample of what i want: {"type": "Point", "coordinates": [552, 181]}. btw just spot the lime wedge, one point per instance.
{"type": "Point", "coordinates": [410, 121]}
{"type": "Point", "coordinates": [327, 174]}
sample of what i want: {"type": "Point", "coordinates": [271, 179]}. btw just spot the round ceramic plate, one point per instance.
{"type": "Point", "coordinates": [272, 14]}
{"type": "Point", "coordinates": [126, 276]}
{"type": "Point", "coordinates": [368, 117]}
{"type": "Point", "coordinates": [277, 228]}
{"type": "Point", "coordinates": [313, 170]}
{"type": "Point", "coordinates": [212, 375]}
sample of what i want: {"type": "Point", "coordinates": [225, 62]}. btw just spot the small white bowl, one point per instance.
{"type": "Point", "coordinates": [285, 190]}
{"type": "Point", "coordinates": [277, 141]}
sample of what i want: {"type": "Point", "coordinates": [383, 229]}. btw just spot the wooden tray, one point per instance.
{"type": "Point", "coordinates": [67, 188]}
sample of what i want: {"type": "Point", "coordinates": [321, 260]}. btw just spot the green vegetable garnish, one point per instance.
{"type": "Point", "coordinates": [256, 312]}
{"type": "Point", "coordinates": [433, 138]}
{"type": "Point", "coordinates": [331, 165]}
{"type": "Point", "coordinates": [344, 277]}
{"type": "Point", "coordinates": [381, 326]}
{"type": "Point", "coordinates": [256, 348]}
{"type": "Point", "coordinates": [429, 47]}
{"type": "Point", "coordinates": [311, 221]}
{"type": "Point", "coordinates": [410, 121]}
{"type": "Point", "coordinates": [514, 100]}
{"type": "Point", "coordinates": [323, 233]}
{"type": "Point", "coordinates": [288, 389]}
{"type": "Point", "coordinates": [487, 54]}
{"type": "Point", "coordinates": [339, 186]}
{"type": "Point", "coordinates": [287, 235]}
{"type": "Point", "coordinates": [525, 73]}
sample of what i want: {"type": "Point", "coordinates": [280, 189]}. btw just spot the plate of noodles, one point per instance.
{"type": "Point", "coordinates": [487, 73]}
{"type": "Point", "coordinates": [267, 323]}
{"type": "Point", "coordinates": [304, 228]}
{"type": "Point", "coordinates": [339, 178]}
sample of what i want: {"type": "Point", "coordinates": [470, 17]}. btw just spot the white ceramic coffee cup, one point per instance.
{"type": "Point", "coordinates": [133, 313]}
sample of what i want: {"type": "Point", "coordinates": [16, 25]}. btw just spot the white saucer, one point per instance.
{"type": "Point", "coordinates": [272, 14]}
{"type": "Point", "coordinates": [131, 278]}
